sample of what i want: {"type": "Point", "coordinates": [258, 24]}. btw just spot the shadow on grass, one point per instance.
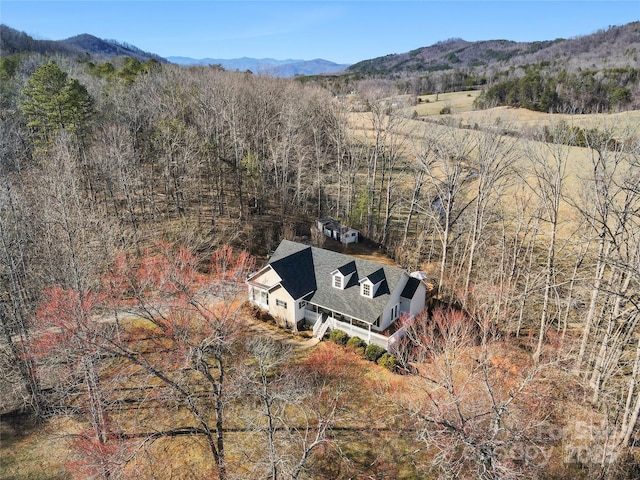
{"type": "Point", "coordinates": [16, 427]}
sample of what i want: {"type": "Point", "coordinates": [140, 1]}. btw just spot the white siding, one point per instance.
{"type": "Point", "coordinates": [300, 310]}
{"type": "Point", "coordinates": [268, 277]}
{"type": "Point", "coordinates": [351, 236]}
{"type": "Point", "coordinates": [288, 314]}
{"type": "Point", "coordinates": [418, 300]}
{"type": "Point", "coordinates": [394, 299]}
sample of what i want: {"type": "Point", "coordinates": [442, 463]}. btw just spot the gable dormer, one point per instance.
{"type": "Point", "coordinates": [370, 284]}
{"type": "Point", "coordinates": [366, 288]}
{"type": "Point", "coordinates": [341, 277]}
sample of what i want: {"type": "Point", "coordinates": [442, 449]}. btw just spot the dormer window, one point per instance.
{"type": "Point", "coordinates": [366, 290]}
{"type": "Point", "coordinates": [341, 276]}
{"type": "Point", "coordinates": [370, 284]}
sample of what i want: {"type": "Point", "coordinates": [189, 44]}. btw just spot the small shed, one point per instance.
{"type": "Point", "coordinates": [336, 230]}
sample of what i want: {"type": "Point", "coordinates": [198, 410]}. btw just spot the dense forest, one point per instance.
{"type": "Point", "coordinates": [589, 91]}
{"type": "Point", "coordinates": [136, 196]}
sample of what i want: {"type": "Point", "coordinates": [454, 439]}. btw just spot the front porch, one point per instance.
{"type": "Point", "coordinates": [322, 319]}
{"type": "Point", "coordinates": [259, 295]}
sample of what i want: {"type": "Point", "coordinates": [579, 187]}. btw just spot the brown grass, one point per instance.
{"type": "Point", "coordinates": [456, 101]}
{"type": "Point", "coordinates": [514, 121]}
{"type": "Point", "coordinates": [41, 451]}
{"type": "Point", "coordinates": [525, 120]}
{"type": "Point", "coordinates": [371, 434]}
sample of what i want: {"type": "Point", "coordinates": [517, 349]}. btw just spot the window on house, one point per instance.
{"type": "Point", "coordinates": [301, 305]}
{"type": "Point", "coordinates": [394, 312]}
{"type": "Point", "coordinates": [260, 296]}
{"type": "Point", "coordinates": [366, 289]}
{"type": "Point", "coordinates": [337, 281]}
{"type": "Point", "coordinates": [280, 303]}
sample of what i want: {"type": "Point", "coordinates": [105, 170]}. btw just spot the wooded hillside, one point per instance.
{"type": "Point", "coordinates": [614, 47]}
{"type": "Point", "coordinates": [14, 42]}
{"type": "Point", "coordinates": [587, 74]}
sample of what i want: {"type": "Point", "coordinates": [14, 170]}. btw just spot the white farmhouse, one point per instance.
{"type": "Point", "coordinates": [330, 290]}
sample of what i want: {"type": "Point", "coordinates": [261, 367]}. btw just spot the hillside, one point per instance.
{"type": "Point", "coordinates": [13, 41]}
{"type": "Point", "coordinates": [617, 46]}
{"type": "Point", "coordinates": [109, 48]}
{"type": "Point", "coordinates": [240, 64]}
{"type": "Point", "coordinates": [309, 67]}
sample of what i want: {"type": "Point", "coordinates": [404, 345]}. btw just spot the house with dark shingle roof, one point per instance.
{"type": "Point", "coordinates": [302, 284]}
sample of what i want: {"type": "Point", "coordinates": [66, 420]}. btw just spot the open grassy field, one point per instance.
{"type": "Point", "coordinates": [517, 119]}
{"type": "Point", "coordinates": [522, 120]}
{"type": "Point", "coordinates": [516, 125]}
{"type": "Point", "coordinates": [457, 102]}
{"type": "Point", "coordinates": [36, 451]}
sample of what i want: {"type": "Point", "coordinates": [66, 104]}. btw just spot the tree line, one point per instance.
{"type": "Point", "coordinates": [586, 91]}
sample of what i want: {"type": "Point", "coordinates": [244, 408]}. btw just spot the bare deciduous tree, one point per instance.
{"type": "Point", "coordinates": [445, 160]}
{"type": "Point", "coordinates": [182, 343]}
{"type": "Point", "coordinates": [546, 177]}
{"type": "Point", "coordinates": [479, 404]}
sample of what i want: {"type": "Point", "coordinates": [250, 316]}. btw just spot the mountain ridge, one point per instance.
{"type": "Point", "coordinates": [95, 45]}
{"type": "Point", "coordinates": [610, 47]}
{"type": "Point", "coordinates": [14, 41]}
{"type": "Point", "coordinates": [617, 46]}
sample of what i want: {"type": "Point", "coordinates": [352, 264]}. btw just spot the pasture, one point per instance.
{"type": "Point", "coordinates": [523, 128]}
{"type": "Point", "coordinates": [457, 102]}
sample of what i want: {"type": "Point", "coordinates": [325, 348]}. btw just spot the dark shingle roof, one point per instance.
{"type": "Point", "coordinates": [296, 271]}
{"type": "Point", "coordinates": [348, 268]}
{"type": "Point", "coordinates": [410, 288]}
{"type": "Point", "coordinates": [377, 276]}
{"type": "Point", "coordinates": [302, 267]}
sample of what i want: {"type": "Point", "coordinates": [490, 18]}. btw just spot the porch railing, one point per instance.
{"type": "Point", "coordinates": [322, 324]}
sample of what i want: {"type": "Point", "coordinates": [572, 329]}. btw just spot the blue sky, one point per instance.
{"type": "Point", "coordinates": [343, 32]}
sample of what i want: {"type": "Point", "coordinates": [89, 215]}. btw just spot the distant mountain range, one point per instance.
{"type": "Point", "coordinates": [271, 66]}
{"type": "Point", "coordinates": [617, 46]}
{"type": "Point", "coordinates": [13, 41]}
